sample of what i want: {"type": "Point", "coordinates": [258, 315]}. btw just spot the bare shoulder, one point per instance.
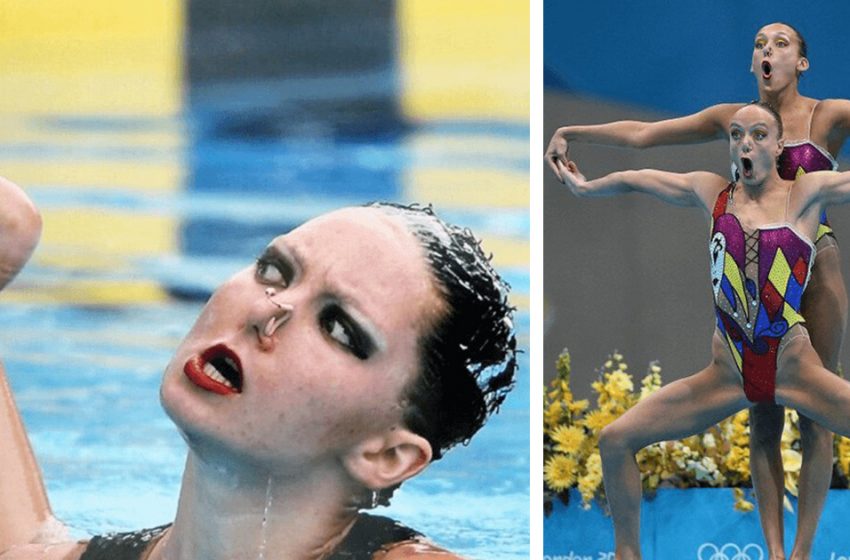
{"type": "Point", "coordinates": [62, 551]}
{"type": "Point", "coordinates": [415, 549]}
{"type": "Point", "coordinates": [836, 111]}
{"type": "Point", "coordinates": [708, 186]}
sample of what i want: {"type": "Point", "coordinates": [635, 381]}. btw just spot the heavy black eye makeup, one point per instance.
{"type": "Point", "coordinates": [273, 267]}
{"type": "Point", "coordinates": [345, 330]}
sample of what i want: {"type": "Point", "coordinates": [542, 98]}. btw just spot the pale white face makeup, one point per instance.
{"type": "Point", "coordinates": [316, 343]}
{"type": "Point", "coordinates": [754, 143]}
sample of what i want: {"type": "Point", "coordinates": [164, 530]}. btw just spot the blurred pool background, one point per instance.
{"type": "Point", "coordinates": [166, 143]}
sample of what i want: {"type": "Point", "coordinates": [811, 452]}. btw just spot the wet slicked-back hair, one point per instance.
{"type": "Point", "coordinates": [469, 356]}
{"type": "Point", "coordinates": [804, 47]}
{"type": "Point", "coordinates": [773, 112]}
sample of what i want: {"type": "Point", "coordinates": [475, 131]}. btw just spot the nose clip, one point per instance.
{"type": "Point", "coordinates": [282, 315]}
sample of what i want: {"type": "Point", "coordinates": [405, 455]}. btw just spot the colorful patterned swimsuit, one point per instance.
{"type": "Point", "coordinates": [758, 278]}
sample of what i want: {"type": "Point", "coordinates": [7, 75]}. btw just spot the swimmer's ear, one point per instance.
{"type": "Point", "coordinates": [388, 459]}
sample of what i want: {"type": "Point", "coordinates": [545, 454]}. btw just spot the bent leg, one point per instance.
{"type": "Point", "coordinates": [825, 309]}
{"type": "Point", "coordinates": [679, 409]}
{"type": "Point", "coordinates": [803, 383]}
{"type": "Point", "coordinates": [766, 424]}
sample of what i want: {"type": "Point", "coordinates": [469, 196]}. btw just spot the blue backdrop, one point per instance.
{"type": "Point", "coordinates": [685, 56]}
{"type": "Point", "coordinates": [696, 524]}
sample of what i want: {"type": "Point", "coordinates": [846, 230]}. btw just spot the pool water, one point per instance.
{"type": "Point", "coordinates": [144, 216]}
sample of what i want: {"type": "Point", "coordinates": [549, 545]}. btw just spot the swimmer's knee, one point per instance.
{"type": "Point", "coordinates": [615, 440]}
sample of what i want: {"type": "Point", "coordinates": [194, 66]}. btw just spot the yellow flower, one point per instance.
{"type": "Point", "coordinates": [791, 460]}
{"type": "Point", "coordinates": [554, 414]}
{"type": "Point", "coordinates": [579, 406]}
{"type": "Point", "coordinates": [741, 503]}
{"type": "Point", "coordinates": [738, 461]}
{"type": "Point", "coordinates": [591, 481]}
{"type": "Point", "coordinates": [790, 433]}
{"type": "Point", "coordinates": [568, 439]}
{"type": "Point", "coordinates": [560, 471]}
{"type": "Point", "coordinates": [619, 383]}
{"type": "Point", "coordinates": [842, 454]}
{"type": "Point", "coordinates": [598, 419]}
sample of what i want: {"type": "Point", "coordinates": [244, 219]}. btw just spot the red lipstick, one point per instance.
{"type": "Point", "coordinates": [216, 369]}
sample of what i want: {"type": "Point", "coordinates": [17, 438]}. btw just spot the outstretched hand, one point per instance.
{"type": "Point", "coordinates": [570, 175]}
{"type": "Point", "coordinates": [20, 229]}
{"type": "Point", "coordinates": [557, 152]}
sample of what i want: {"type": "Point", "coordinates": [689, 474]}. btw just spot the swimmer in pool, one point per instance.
{"type": "Point", "coordinates": [761, 251]}
{"type": "Point", "coordinates": [310, 387]}
{"type": "Point", "coordinates": [816, 129]}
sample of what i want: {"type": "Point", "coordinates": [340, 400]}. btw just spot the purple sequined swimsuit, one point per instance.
{"type": "Point", "coordinates": [804, 156]}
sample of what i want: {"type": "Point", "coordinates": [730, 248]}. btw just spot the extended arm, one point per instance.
{"type": "Point", "coordinates": [681, 189]}
{"type": "Point", "coordinates": [819, 189]}
{"type": "Point", "coordinates": [23, 502]}
{"type": "Point", "coordinates": [704, 126]}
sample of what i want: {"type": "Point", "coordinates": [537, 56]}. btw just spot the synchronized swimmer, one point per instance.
{"type": "Point", "coordinates": [761, 253]}
{"type": "Point", "coordinates": [818, 128]}
{"type": "Point", "coordinates": [308, 390]}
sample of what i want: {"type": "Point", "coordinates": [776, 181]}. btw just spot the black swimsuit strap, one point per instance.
{"type": "Point", "coordinates": [122, 546]}
{"type": "Point", "coordinates": [369, 534]}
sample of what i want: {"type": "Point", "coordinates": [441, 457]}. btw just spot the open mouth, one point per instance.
{"type": "Point", "coordinates": [216, 369]}
{"type": "Point", "coordinates": [766, 69]}
{"type": "Point", "coordinates": [746, 167]}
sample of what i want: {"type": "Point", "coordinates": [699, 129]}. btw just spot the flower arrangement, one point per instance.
{"type": "Point", "coordinates": [718, 457]}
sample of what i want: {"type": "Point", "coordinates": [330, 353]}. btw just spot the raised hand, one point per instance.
{"type": "Point", "coordinates": [20, 229]}
{"type": "Point", "coordinates": [557, 152]}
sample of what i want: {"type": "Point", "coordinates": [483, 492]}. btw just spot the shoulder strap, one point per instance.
{"type": "Point", "coordinates": [122, 546]}
{"type": "Point", "coordinates": [811, 116]}
{"type": "Point", "coordinates": [721, 202]}
{"type": "Point", "coordinates": [370, 534]}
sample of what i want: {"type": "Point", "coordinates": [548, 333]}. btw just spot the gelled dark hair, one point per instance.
{"type": "Point", "coordinates": [469, 356]}
{"type": "Point", "coordinates": [804, 48]}
{"type": "Point", "coordinates": [769, 108]}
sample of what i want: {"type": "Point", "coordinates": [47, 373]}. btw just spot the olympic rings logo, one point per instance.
{"type": "Point", "coordinates": [729, 551]}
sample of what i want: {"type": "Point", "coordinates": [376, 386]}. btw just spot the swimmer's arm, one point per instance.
{"type": "Point", "coordinates": [679, 189]}
{"type": "Point", "coordinates": [24, 509]}
{"type": "Point", "coordinates": [837, 112]}
{"type": "Point", "coordinates": [707, 125]}
{"type": "Point", "coordinates": [23, 501]}
{"type": "Point", "coordinates": [62, 551]}
{"type": "Point", "coordinates": [820, 189]}
{"type": "Point", "coordinates": [20, 229]}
